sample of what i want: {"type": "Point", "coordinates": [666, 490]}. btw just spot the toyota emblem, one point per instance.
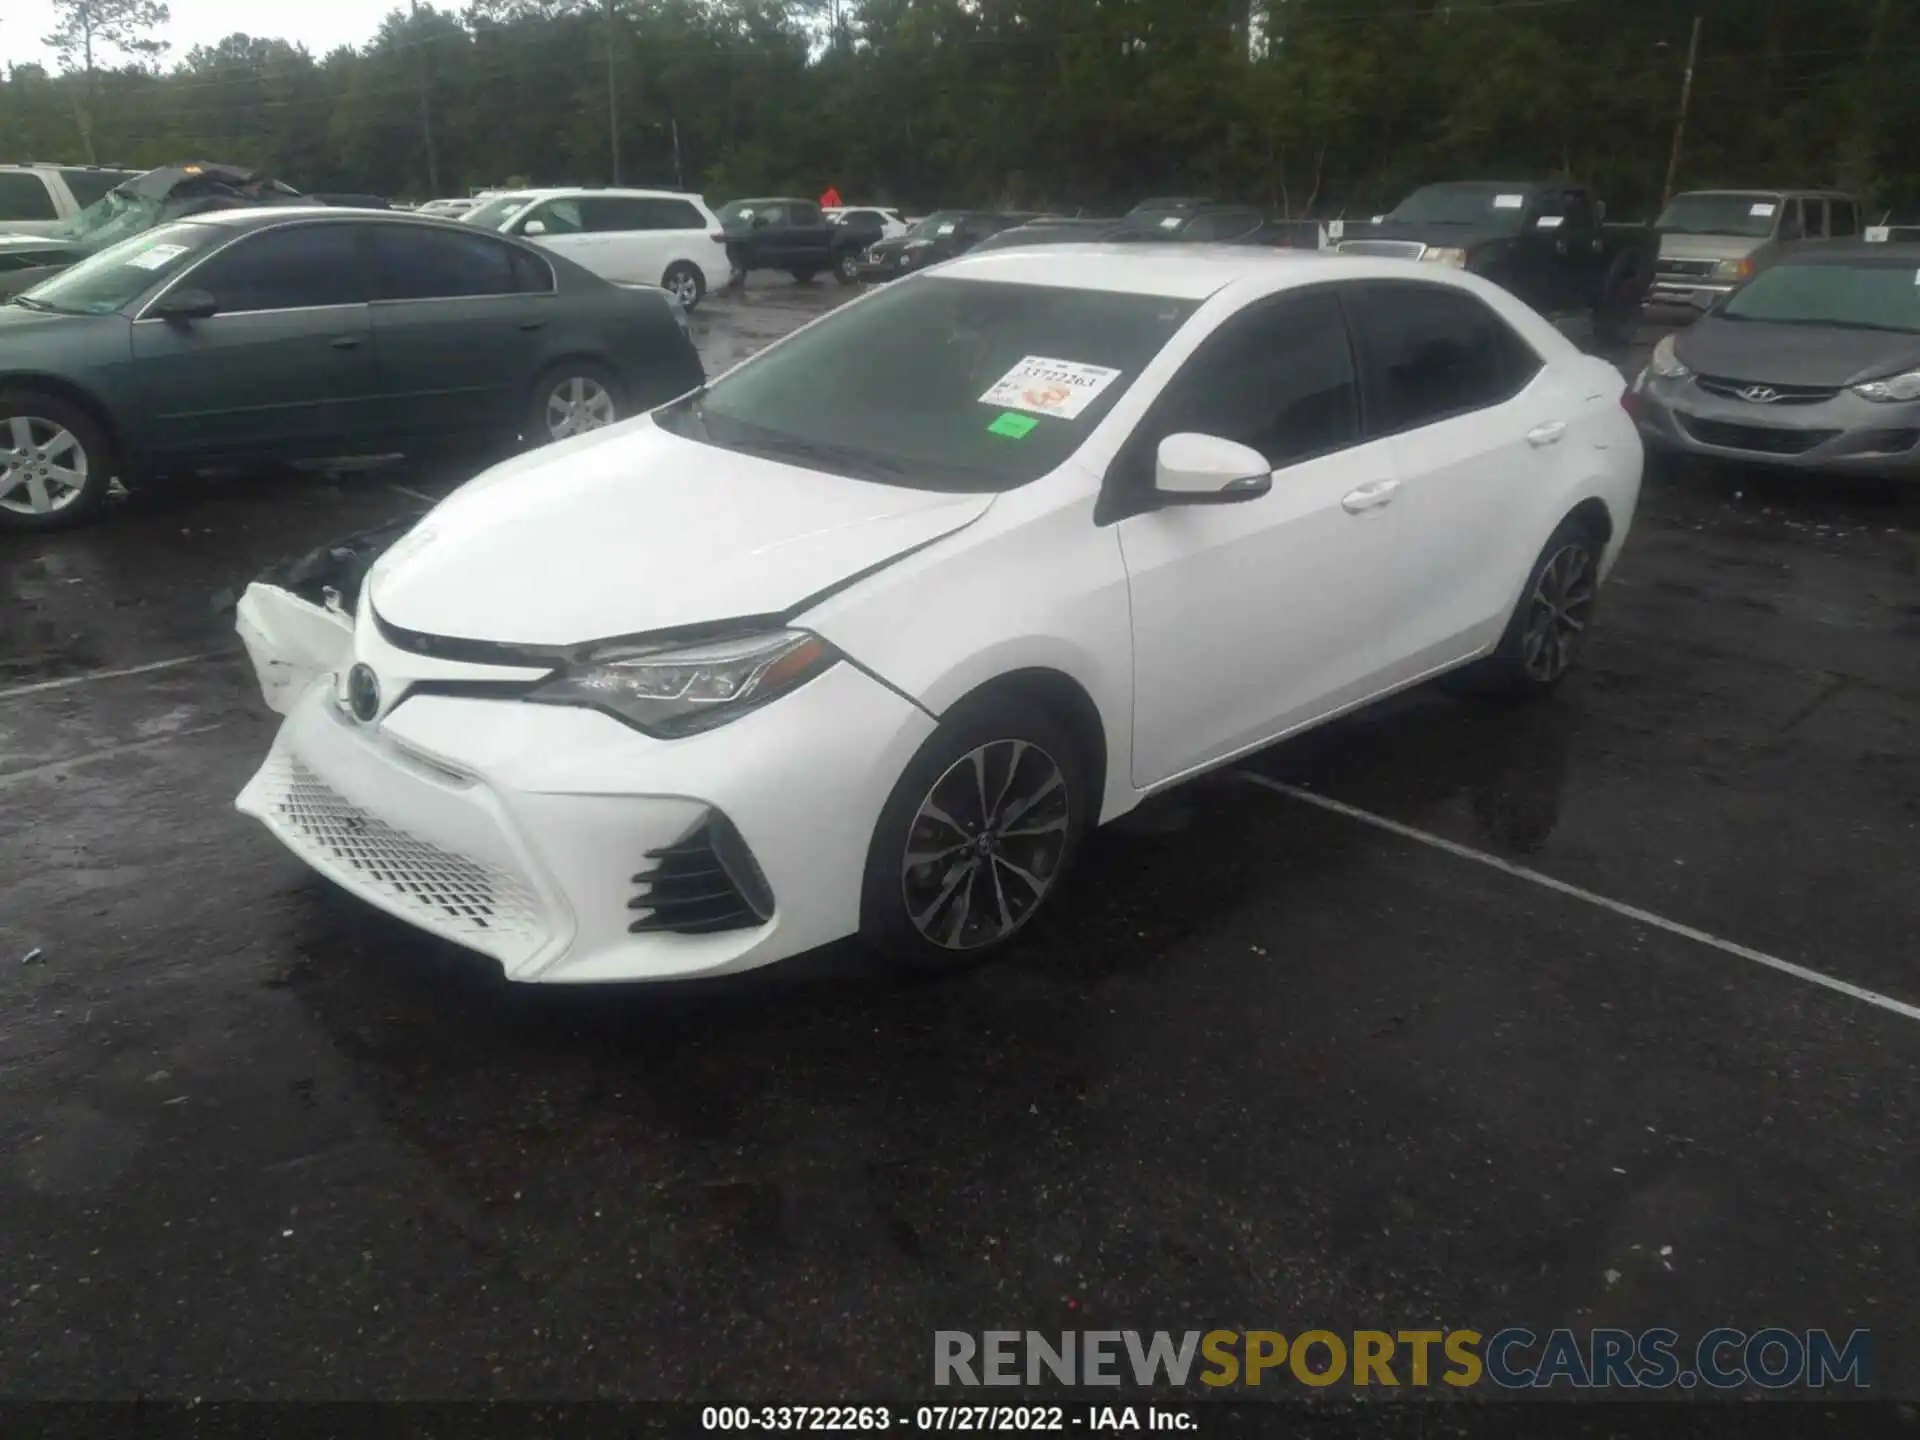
{"type": "Point", "coordinates": [1760, 394]}
{"type": "Point", "coordinates": [363, 693]}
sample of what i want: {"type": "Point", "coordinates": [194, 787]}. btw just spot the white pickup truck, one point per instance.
{"type": "Point", "coordinates": [35, 199]}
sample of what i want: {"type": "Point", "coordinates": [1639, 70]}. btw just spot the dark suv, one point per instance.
{"type": "Point", "coordinates": [784, 233]}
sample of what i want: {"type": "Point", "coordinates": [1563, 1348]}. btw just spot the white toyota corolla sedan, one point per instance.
{"type": "Point", "coordinates": [863, 637]}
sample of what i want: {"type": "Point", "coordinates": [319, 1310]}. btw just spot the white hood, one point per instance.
{"type": "Point", "coordinates": [1709, 247]}
{"type": "Point", "coordinates": [631, 529]}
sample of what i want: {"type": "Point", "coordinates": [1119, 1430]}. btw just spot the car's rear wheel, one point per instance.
{"type": "Point", "coordinates": [685, 283]}
{"type": "Point", "coordinates": [975, 837]}
{"type": "Point", "coordinates": [56, 463]}
{"type": "Point", "coordinates": [802, 276]}
{"type": "Point", "coordinates": [571, 399]}
{"type": "Point", "coordinates": [847, 268]}
{"type": "Point", "coordinates": [1550, 623]}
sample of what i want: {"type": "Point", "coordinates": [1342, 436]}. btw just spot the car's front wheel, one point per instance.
{"type": "Point", "coordinates": [803, 276]}
{"type": "Point", "coordinates": [975, 837]}
{"type": "Point", "coordinates": [847, 268]}
{"type": "Point", "coordinates": [572, 399]}
{"type": "Point", "coordinates": [56, 464]}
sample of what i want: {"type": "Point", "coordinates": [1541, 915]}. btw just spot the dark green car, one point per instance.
{"type": "Point", "coordinates": [297, 334]}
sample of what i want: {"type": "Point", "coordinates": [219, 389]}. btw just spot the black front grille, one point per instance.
{"type": "Point", "coordinates": [1892, 442]}
{"type": "Point", "coordinates": [704, 882]}
{"type": "Point", "coordinates": [1692, 269]}
{"type": "Point", "coordinates": [1780, 394]}
{"type": "Point", "coordinates": [1755, 439]}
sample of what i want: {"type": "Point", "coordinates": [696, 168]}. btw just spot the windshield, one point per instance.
{"type": "Point", "coordinates": [111, 218]}
{"type": "Point", "coordinates": [935, 226]}
{"type": "Point", "coordinates": [1750, 215]}
{"type": "Point", "coordinates": [120, 274]}
{"type": "Point", "coordinates": [1854, 297]}
{"type": "Point", "coordinates": [495, 212]}
{"type": "Point", "coordinates": [938, 383]}
{"type": "Point", "coordinates": [1480, 204]}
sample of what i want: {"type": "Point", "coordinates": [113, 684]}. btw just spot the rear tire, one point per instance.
{"type": "Point", "coordinates": [846, 269]}
{"type": "Point", "coordinates": [996, 802]}
{"type": "Point", "coordinates": [685, 283]}
{"type": "Point", "coordinates": [570, 399]}
{"type": "Point", "coordinates": [1550, 622]}
{"type": "Point", "coordinates": [56, 462]}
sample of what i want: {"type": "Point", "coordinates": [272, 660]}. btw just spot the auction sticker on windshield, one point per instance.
{"type": "Point", "coordinates": [1508, 202]}
{"type": "Point", "coordinates": [1045, 386]}
{"type": "Point", "coordinates": [156, 256]}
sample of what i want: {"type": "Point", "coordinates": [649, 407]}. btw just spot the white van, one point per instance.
{"type": "Point", "coordinates": [648, 237]}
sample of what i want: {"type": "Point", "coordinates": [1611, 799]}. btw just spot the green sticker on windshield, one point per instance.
{"type": "Point", "coordinates": [1013, 426]}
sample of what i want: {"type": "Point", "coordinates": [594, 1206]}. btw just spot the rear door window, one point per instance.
{"type": "Point", "coordinates": [561, 217]}
{"type": "Point", "coordinates": [602, 214]}
{"type": "Point", "coordinates": [87, 186]}
{"type": "Point", "coordinates": [804, 212]}
{"type": "Point", "coordinates": [663, 212]}
{"type": "Point", "coordinates": [25, 196]}
{"type": "Point", "coordinates": [1843, 219]}
{"type": "Point", "coordinates": [1432, 352]}
{"type": "Point", "coordinates": [428, 263]}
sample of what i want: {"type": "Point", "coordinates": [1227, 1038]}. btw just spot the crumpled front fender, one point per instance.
{"type": "Point", "coordinates": [291, 641]}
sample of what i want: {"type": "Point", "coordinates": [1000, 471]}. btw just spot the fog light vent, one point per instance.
{"type": "Point", "coordinates": [704, 882]}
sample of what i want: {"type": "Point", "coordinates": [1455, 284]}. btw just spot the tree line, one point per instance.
{"type": "Point", "coordinates": [1314, 107]}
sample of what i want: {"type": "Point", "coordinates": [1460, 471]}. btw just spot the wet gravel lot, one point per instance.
{"type": "Point", "coordinates": [1265, 1064]}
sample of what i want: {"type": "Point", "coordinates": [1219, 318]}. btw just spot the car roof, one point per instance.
{"type": "Point", "coordinates": [1774, 190]}
{"type": "Point", "coordinates": [1185, 272]}
{"type": "Point", "coordinates": [261, 217]}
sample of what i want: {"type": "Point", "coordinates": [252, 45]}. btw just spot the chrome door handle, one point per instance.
{"type": "Point", "coordinates": [1547, 434]}
{"type": "Point", "coordinates": [1370, 496]}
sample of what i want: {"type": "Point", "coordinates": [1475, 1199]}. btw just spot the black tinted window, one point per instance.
{"type": "Point", "coordinates": [531, 274]}
{"type": "Point", "coordinates": [1843, 219]}
{"type": "Point", "coordinates": [87, 186]}
{"type": "Point", "coordinates": [1432, 353]}
{"type": "Point", "coordinates": [1279, 378]}
{"type": "Point", "coordinates": [25, 197]}
{"type": "Point", "coordinates": [803, 212]}
{"type": "Point", "coordinates": [665, 213]}
{"type": "Point", "coordinates": [435, 264]}
{"type": "Point", "coordinates": [292, 269]}
{"type": "Point", "coordinates": [615, 212]}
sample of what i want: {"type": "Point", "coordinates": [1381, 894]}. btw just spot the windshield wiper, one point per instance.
{"type": "Point", "coordinates": [839, 457]}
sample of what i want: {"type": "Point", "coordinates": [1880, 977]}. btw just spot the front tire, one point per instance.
{"type": "Point", "coordinates": [571, 399]}
{"type": "Point", "coordinates": [685, 283]}
{"type": "Point", "coordinates": [975, 837]}
{"type": "Point", "coordinates": [1549, 625]}
{"type": "Point", "coordinates": [847, 268]}
{"type": "Point", "coordinates": [803, 277]}
{"type": "Point", "coordinates": [56, 463]}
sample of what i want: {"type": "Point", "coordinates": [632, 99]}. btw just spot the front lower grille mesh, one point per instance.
{"type": "Point", "coordinates": [449, 893]}
{"type": "Point", "coordinates": [1755, 439]}
{"type": "Point", "coordinates": [706, 881]}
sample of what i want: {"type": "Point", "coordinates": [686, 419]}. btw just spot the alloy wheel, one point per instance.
{"type": "Point", "coordinates": [1558, 612]}
{"type": "Point", "coordinates": [43, 466]}
{"type": "Point", "coordinates": [986, 844]}
{"type": "Point", "coordinates": [577, 405]}
{"type": "Point", "coordinates": [685, 287]}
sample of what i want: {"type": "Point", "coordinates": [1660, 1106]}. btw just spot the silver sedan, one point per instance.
{"type": "Point", "coordinates": [1814, 364]}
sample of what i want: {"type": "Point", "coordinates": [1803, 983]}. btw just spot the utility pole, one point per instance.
{"type": "Point", "coordinates": [1680, 124]}
{"type": "Point", "coordinates": [426, 107]}
{"type": "Point", "coordinates": [613, 114]}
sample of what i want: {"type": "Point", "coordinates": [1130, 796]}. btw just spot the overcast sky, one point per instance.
{"type": "Point", "coordinates": [320, 25]}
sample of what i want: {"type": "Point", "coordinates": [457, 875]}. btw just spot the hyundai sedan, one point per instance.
{"type": "Point", "coordinates": [1813, 364]}
{"type": "Point", "coordinates": [866, 635]}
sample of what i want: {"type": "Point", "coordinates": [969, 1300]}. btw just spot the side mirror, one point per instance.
{"type": "Point", "coordinates": [1192, 469]}
{"type": "Point", "coordinates": [185, 305]}
{"type": "Point", "coordinates": [534, 228]}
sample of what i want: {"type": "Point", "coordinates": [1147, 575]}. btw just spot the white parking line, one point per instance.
{"type": "Point", "coordinates": [41, 686]}
{"type": "Point", "coordinates": [1631, 912]}
{"type": "Point", "coordinates": [415, 494]}
{"type": "Point", "coordinates": [134, 747]}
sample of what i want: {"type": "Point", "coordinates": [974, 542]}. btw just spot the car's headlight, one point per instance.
{"type": "Point", "coordinates": [1666, 364]}
{"type": "Point", "coordinates": [675, 689]}
{"type": "Point", "coordinates": [1733, 270]}
{"type": "Point", "coordinates": [1446, 255]}
{"type": "Point", "coordinates": [1893, 388]}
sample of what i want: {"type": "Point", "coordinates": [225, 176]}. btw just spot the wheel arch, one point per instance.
{"type": "Point", "coordinates": [1593, 513]}
{"type": "Point", "coordinates": [1067, 700]}
{"type": "Point", "coordinates": [74, 394]}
